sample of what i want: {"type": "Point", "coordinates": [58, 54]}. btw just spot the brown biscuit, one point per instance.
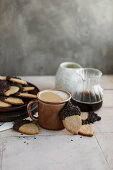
{"type": "Point", "coordinates": [14, 100]}
{"type": "Point", "coordinates": [72, 123]}
{"type": "Point", "coordinates": [27, 95]}
{"type": "Point", "coordinates": [84, 115]}
{"type": "Point", "coordinates": [28, 88]}
{"type": "Point", "coordinates": [86, 130]}
{"type": "Point", "coordinates": [12, 90]}
{"type": "Point", "coordinates": [3, 104]}
{"type": "Point", "coordinates": [29, 129]}
{"type": "Point", "coordinates": [18, 81]}
{"type": "Point", "coordinates": [2, 77]}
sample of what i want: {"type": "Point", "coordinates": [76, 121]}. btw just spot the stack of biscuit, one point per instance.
{"type": "Point", "coordinates": [14, 91]}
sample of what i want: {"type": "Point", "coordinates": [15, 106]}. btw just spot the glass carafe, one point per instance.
{"type": "Point", "coordinates": [88, 94]}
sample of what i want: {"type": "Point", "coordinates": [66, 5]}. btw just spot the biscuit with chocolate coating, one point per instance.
{"type": "Point", "coordinates": [27, 95]}
{"type": "Point", "coordinates": [16, 80]}
{"type": "Point", "coordinates": [3, 104]}
{"type": "Point", "coordinates": [14, 100]}
{"type": "Point", "coordinates": [68, 110]}
{"type": "Point", "coordinates": [12, 90]}
{"type": "Point", "coordinates": [26, 126]}
{"type": "Point", "coordinates": [4, 86]}
{"type": "Point", "coordinates": [2, 77]}
{"type": "Point", "coordinates": [28, 88]}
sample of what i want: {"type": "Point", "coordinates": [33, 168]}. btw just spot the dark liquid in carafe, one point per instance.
{"type": "Point", "coordinates": [88, 102]}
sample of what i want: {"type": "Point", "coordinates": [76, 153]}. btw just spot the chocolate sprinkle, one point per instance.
{"type": "Point", "coordinates": [68, 110]}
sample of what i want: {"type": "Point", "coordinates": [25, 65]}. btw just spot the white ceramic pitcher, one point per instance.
{"type": "Point", "coordinates": [66, 76]}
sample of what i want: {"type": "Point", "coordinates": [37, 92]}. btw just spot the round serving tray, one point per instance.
{"type": "Point", "coordinates": [18, 112]}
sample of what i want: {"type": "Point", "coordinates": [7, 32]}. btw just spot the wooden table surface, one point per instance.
{"type": "Point", "coordinates": [58, 150]}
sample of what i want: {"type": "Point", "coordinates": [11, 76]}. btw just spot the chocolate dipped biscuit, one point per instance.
{"type": "Point", "coordinates": [26, 95]}
{"type": "Point", "coordinates": [4, 104]}
{"type": "Point", "coordinates": [4, 86]}
{"type": "Point", "coordinates": [12, 100]}
{"type": "Point", "coordinates": [2, 77]}
{"type": "Point", "coordinates": [68, 110]}
{"type": "Point", "coordinates": [70, 116]}
{"type": "Point", "coordinates": [26, 126]}
{"type": "Point", "coordinates": [16, 80]}
{"type": "Point", "coordinates": [12, 90]}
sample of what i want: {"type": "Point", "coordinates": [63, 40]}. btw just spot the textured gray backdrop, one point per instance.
{"type": "Point", "coordinates": [37, 35]}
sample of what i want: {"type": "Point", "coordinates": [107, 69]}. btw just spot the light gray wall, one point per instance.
{"type": "Point", "coordinates": [37, 35]}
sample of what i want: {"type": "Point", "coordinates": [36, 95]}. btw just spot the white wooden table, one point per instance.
{"type": "Point", "coordinates": [58, 150]}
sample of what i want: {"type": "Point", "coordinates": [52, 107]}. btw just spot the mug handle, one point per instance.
{"type": "Point", "coordinates": [29, 110]}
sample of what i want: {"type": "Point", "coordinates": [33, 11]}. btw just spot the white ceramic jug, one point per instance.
{"type": "Point", "coordinates": [66, 76]}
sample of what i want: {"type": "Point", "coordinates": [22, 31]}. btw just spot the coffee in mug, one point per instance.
{"type": "Point", "coordinates": [50, 102]}
{"type": "Point", "coordinates": [53, 96]}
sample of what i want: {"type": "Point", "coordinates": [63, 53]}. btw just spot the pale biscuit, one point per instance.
{"type": "Point", "coordinates": [28, 88]}
{"type": "Point", "coordinates": [86, 130]}
{"type": "Point", "coordinates": [18, 81]}
{"type": "Point", "coordinates": [14, 100]}
{"type": "Point", "coordinates": [27, 95]}
{"type": "Point", "coordinates": [3, 104]}
{"type": "Point", "coordinates": [12, 90]}
{"type": "Point", "coordinates": [72, 123]}
{"type": "Point", "coordinates": [84, 115]}
{"type": "Point", "coordinates": [2, 77]}
{"type": "Point", "coordinates": [29, 129]}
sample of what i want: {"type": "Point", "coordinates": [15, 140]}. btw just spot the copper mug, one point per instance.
{"type": "Point", "coordinates": [48, 112]}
